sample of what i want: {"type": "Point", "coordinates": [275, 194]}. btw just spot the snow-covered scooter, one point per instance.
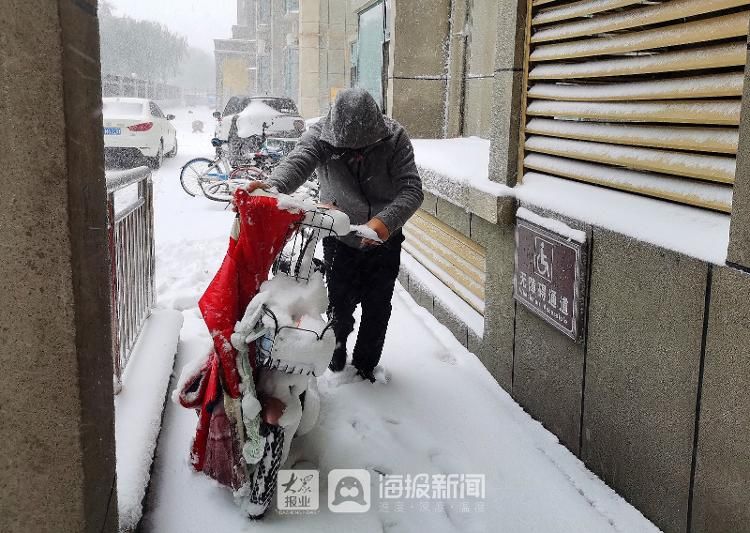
{"type": "Point", "coordinates": [283, 324]}
{"type": "Point", "coordinates": [280, 346]}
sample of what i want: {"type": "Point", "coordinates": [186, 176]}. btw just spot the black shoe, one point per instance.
{"type": "Point", "coordinates": [366, 374]}
{"type": "Point", "coordinates": [338, 361]}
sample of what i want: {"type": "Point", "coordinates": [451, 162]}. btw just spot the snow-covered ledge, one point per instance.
{"type": "Point", "coordinates": [688, 230]}
{"type": "Point", "coordinates": [457, 171]}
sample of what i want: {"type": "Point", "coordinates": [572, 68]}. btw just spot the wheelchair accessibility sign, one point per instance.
{"type": "Point", "coordinates": [550, 277]}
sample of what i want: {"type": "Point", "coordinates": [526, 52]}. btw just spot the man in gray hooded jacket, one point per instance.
{"type": "Point", "coordinates": [365, 164]}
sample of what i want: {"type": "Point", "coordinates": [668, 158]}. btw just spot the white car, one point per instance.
{"type": "Point", "coordinates": [135, 128]}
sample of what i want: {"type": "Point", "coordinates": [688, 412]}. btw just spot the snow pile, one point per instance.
{"type": "Point", "coordinates": [452, 165]}
{"type": "Point", "coordinates": [293, 303]}
{"type": "Point", "coordinates": [366, 232]}
{"type": "Point", "coordinates": [138, 411]}
{"type": "Point", "coordinates": [553, 225]}
{"type": "Point", "coordinates": [312, 121]}
{"type": "Point", "coordinates": [693, 232]}
{"type": "Point", "coordinates": [286, 317]}
{"type": "Point", "coordinates": [250, 120]}
{"type": "Point", "coordinates": [465, 158]}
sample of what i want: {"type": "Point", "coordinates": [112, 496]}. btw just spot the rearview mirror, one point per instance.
{"type": "Point", "coordinates": [217, 114]}
{"type": "Point", "coordinates": [170, 117]}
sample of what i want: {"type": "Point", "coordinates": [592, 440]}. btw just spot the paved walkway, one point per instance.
{"type": "Point", "coordinates": [441, 414]}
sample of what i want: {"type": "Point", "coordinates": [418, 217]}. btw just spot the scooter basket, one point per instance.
{"type": "Point", "coordinates": [294, 350]}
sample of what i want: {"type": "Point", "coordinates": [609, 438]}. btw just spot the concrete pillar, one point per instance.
{"type": "Point", "coordinates": [310, 75]}
{"type": "Point", "coordinates": [481, 25]}
{"type": "Point", "coordinates": [739, 238]}
{"type": "Point", "coordinates": [417, 73]}
{"type": "Point", "coordinates": [57, 466]}
{"type": "Point", "coordinates": [508, 101]}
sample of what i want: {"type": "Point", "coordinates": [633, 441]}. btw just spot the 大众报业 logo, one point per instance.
{"type": "Point", "coordinates": [298, 491]}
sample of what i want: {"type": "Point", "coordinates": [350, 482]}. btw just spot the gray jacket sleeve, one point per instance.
{"type": "Point", "coordinates": [408, 185]}
{"type": "Point", "coordinates": [298, 166]}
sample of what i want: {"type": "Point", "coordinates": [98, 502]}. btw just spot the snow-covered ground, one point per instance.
{"type": "Point", "coordinates": [138, 410]}
{"type": "Point", "coordinates": [442, 413]}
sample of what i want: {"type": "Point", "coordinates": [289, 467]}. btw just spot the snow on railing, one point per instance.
{"type": "Point", "coordinates": [131, 240]}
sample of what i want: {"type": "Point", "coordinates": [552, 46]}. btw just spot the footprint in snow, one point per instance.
{"type": "Point", "coordinates": [444, 356]}
{"type": "Point", "coordinates": [360, 426]}
{"type": "Point", "coordinates": [345, 377]}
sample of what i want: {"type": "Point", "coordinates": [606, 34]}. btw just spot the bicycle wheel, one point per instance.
{"type": "Point", "coordinates": [248, 173]}
{"type": "Point", "coordinates": [222, 190]}
{"type": "Point", "coordinates": [198, 170]}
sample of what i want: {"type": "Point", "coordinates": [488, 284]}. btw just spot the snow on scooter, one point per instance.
{"type": "Point", "coordinates": [270, 341]}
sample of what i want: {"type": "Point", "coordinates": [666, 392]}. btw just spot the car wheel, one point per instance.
{"type": "Point", "coordinates": [173, 153]}
{"type": "Point", "coordinates": [155, 162]}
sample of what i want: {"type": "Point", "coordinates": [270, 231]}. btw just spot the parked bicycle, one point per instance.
{"type": "Point", "coordinates": [217, 179]}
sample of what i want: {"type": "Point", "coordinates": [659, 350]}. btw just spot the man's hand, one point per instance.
{"type": "Point", "coordinates": [255, 185]}
{"type": "Point", "coordinates": [250, 187]}
{"type": "Point", "coordinates": [380, 229]}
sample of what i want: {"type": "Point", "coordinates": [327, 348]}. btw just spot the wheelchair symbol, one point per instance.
{"type": "Point", "coordinates": [543, 257]}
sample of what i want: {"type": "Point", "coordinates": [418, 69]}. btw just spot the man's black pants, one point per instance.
{"type": "Point", "coordinates": [362, 276]}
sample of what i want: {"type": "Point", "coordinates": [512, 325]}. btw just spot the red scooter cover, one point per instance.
{"type": "Point", "coordinates": [264, 229]}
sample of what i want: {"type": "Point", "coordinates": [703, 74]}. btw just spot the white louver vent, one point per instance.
{"type": "Point", "coordinates": [641, 96]}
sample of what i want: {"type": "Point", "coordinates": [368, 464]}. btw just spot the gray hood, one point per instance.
{"type": "Point", "coordinates": [354, 121]}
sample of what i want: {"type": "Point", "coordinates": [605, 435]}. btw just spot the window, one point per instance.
{"type": "Point", "coordinates": [264, 74]}
{"type": "Point", "coordinates": [387, 20]}
{"type": "Point", "coordinates": [353, 63]}
{"type": "Point", "coordinates": [235, 105]}
{"type": "Point", "coordinates": [155, 111]}
{"type": "Point", "coordinates": [113, 108]}
{"type": "Point", "coordinates": [292, 6]}
{"type": "Point", "coordinates": [291, 72]}
{"type": "Point", "coordinates": [644, 99]}
{"type": "Point", "coordinates": [370, 51]}
{"type": "Point", "coordinates": [264, 12]}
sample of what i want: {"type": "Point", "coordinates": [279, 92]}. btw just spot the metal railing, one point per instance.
{"type": "Point", "coordinates": [131, 241]}
{"type": "Point", "coordinates": [114, 85]}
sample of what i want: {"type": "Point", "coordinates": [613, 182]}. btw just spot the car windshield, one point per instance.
{"type": "Point", "coordinates": [235, 105]}
{"type": "Point", "coordinates": [122, 109]}
{"type": "Point", "coordinates": [282, 105]}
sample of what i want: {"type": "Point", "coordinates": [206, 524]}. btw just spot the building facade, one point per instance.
{"type": "Point", "coordinates": [262, 57]}
{"type": "Point", "coordinates": [627, 125]}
